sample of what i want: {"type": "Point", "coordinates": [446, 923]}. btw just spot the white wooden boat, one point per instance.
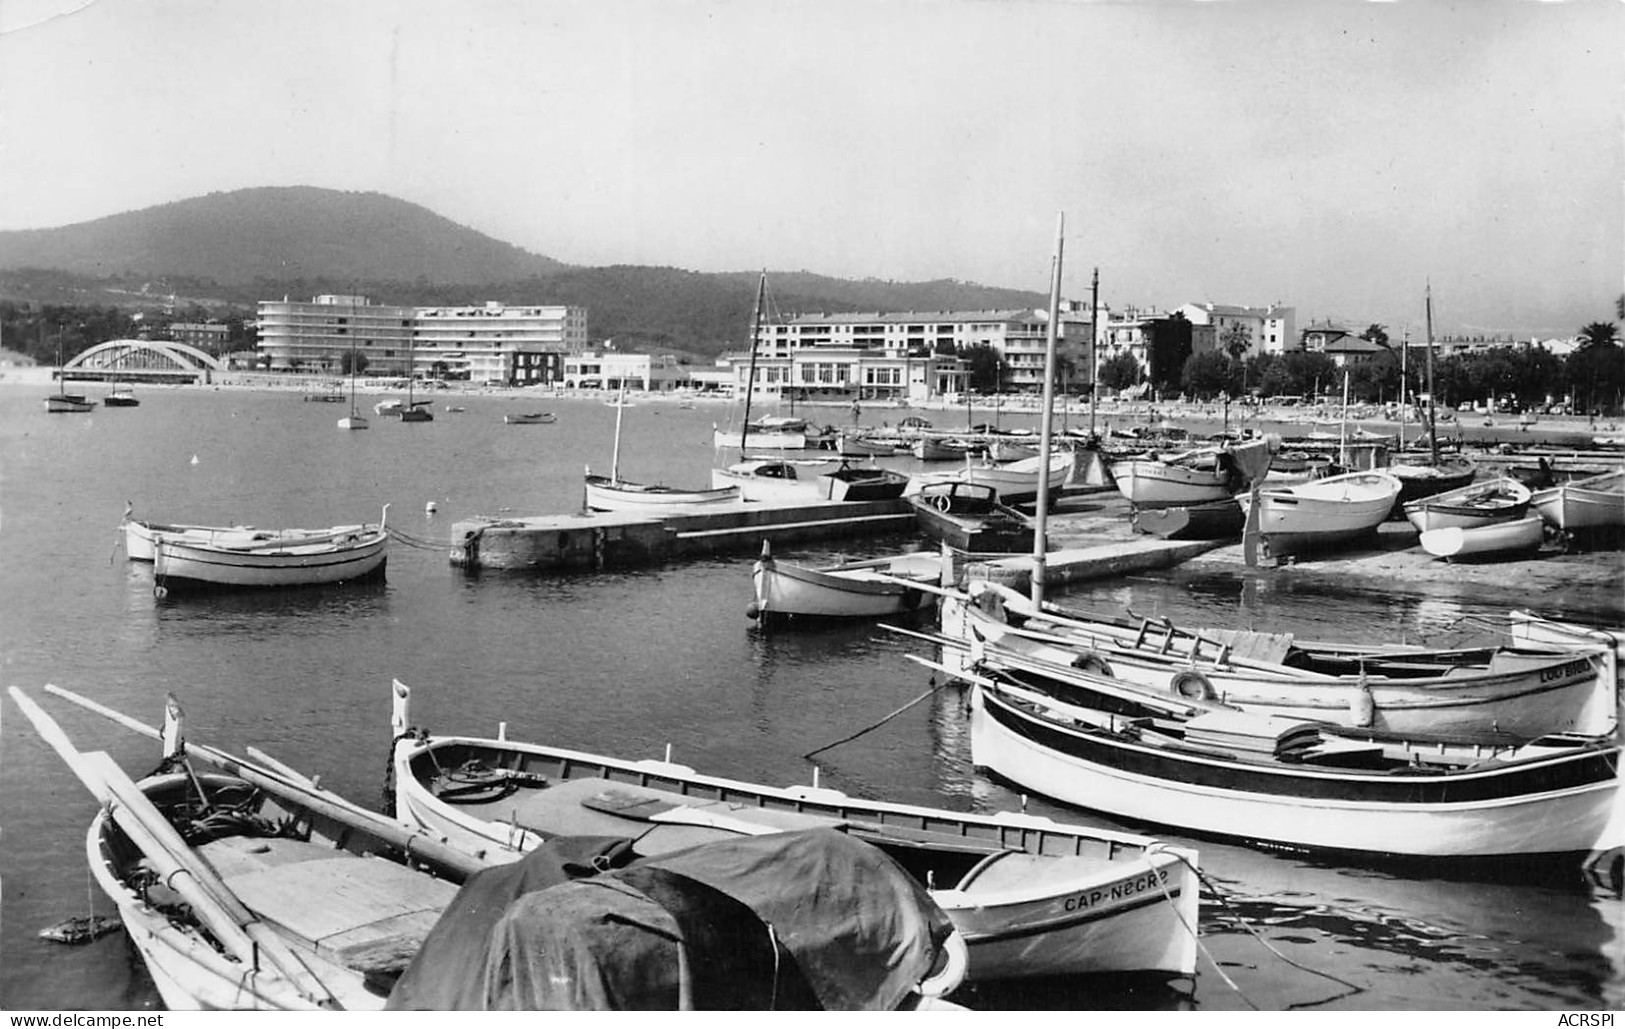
{"type": "Point", "coordinates": [770, 481]}
{"type": "Point", "coordinates": [390, 408]}
{"type": "Point", "coordinates": [299, 558]}
{"type": "Point", "coordinates": [1339, 507]}
{"type": "Point", "coordinates": [607, 494]}
{"type": "Point", "coordinates": [1491, 696]}
{"type": "Point", "coordinates": [930, 448]}
{"type": "Point", "coordinates": [772, 432]}
{"type": "Point", "coordinates": [1003, 450]}
{"type": "Point", "coordinates": [1014, 483]}
{"type": "Point", "coordinates": [1531, 629]}
{"type": "Point", "coordinates": [613, 493]}
{"type": "Point", "coordinates": [245, 917]}
{"type": "Point", "coordinates": [858, 589]}
{"type": "Point", "coordinates": [1282, 784]}
{"type": "Point", "coordinates": [1479, 503]}
{"type": "Point", "coordinates": [284, 896]}
{"type": "Point", "coordinates": [1179, 480]}
{"type": "Point", "coordinates": [1030, 896]}
{"type": "Point", "coordinates": [851, 444]}
{"type": "Point", "coordinates": [1493, 540]}
{"type": "Point", "coordinates": [1579, 505]}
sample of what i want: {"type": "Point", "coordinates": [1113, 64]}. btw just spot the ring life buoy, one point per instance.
{"type": "Point", "coordinates": [1094, 664]}
{"type": "Point", "coordinates": [1193, 685]}
{"type": "Point", "coordinates": [942, 502]}
{"type": "Point", "coordinates": [955, 958]}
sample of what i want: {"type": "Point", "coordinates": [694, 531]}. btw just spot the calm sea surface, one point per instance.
{"type": "Point", "coordinates": [626, 663]}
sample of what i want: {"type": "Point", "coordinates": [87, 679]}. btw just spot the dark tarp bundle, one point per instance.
{"type": "Point", "coordinates": [788, 920]}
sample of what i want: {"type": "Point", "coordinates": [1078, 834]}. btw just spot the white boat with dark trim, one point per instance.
{"type": "Point", "coordinates": [605, 493]}
{"type": "Point", "coordinates": [1191, 476]}
{"type": "Point", "coordinates": [1030, 896]}
{"type": "Point", "coordinates": [1480, 503]}
{"type": "Point", "coordinates": [1280, 782]}
{"type": "Point", "coordinates": [1012, 483]}
{"type": "Point", "coordinates": [857, 589]}
{"type": "Point", "coordinates": [1494, 696]}
{"type": "Point", "coordinates": [1481, 542]}
{"type": "Point", "coordinates": [290, 558]}
{"type": "Point", "coordinates": [771, 481]}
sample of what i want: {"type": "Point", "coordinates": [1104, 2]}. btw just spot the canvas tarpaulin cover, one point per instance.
{"type": "Point", "coordinates": [787, 920]}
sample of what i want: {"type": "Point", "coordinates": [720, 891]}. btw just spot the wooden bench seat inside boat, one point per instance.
{"type": "Point", "coordinates": [371, 916]}
{"type": "Point", "coordinates": [663, 820]}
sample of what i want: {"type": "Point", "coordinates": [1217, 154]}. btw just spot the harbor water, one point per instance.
{"type": "Point", "coordinates": [652, 662]}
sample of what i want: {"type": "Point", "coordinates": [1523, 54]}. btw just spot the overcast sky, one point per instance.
{"type": "Point", "coordinates": [1327, 154]}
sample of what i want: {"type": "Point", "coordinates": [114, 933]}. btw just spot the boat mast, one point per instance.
{"type": "Point", "coordinates": [1433, 439]}
{"type": "Point", "coordinates": [615, 458]}
{"type": "Point", "coordinates": [750, 379]}
{"type": "Point", "coordinates": [1039, 541]}
{"type": "Point", "coordinates": [1404, 384]}
{"type": "Point", "coordinates": [1094, 349]}
{"type": "Point", "coordinates": [1343, 429]}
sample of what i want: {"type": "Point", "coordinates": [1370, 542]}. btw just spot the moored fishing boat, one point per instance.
{"type": "Point", "coordinates": [1492, 540]}
{"type": "Point", "coordinates": [1014, 483]}
{"type": "Point", "coordinates": [1491, 696]}
{"type": "Point", "coordinates": [1291, 519]}
{"type": "Point", "coordinates": [1479, 503]}
{"type": "Point", "coordinates": [931, 448]}
{"type": "Point", "coordinates": [530, 418]}
{"type": "Point", "coordinates": [857, 589]}
{"type": "Point", "coordinates": [1030, 896]}
{"type": "Point", "coordinates": [608, 494]}
{"type": "Point", "coordinates": [287, 558]}
{"type": "Point", "coordinates": [854, 484]}
{"type": "Point", "coordinates": [770, 481]}
{"type": "Point", "coordinates": [1281, 783]}
{"type": "Point", "coordinates": [969, 517]}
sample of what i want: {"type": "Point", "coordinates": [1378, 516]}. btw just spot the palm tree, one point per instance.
{"type": "Point", "coordinates": [1599, 334]}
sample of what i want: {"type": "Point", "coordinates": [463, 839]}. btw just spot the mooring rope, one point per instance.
{"type": "Point", "coordinates": [420, 542]}
{"type": "Point", "coordinates": [847, 739]}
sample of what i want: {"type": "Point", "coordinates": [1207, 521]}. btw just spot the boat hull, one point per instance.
{"type": "Point", "coordinates": [1342, 507]}
{"type": "Point", "coordinates": [1481, 503]}
{"type": "Point", "coordinates": [752, 485]}
{"type": "Point", "coordinates": [606, 494]}
{"type": "Point", "coordinates": [1108, 903]}
{"type": "Point", "coordinates": [1496, 539]}
{"type": "Point", "coordinates": [1156, 484]}
{"type": "Point", "coordinates": [180, 566]}
{"type": "Point", "coordinates": [863, 590]}
{"type": "Point", "coordinates": [1586, 504]}
{"type": "Point", "coordinates": [1544, 807]}
{"type": "Point", "coordinates": [68, 404]}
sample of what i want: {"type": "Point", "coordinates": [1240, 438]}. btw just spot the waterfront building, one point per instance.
{"type": "Point", "coordinates": [1343, 345]}
{"type": "Point", "coordinates": [612, 369]}
{"type": "Point", "coordinates": [1270, 330]}
{"type": "Point", "coordinates": [210, 337]}
{"type": "Point", "coordinates": [491, 342]}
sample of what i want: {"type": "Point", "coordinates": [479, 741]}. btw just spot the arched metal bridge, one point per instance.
{"type": "Point", "coordinates": [143, 360]}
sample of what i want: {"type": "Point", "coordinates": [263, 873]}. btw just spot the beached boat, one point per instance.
{"type": "Point", "coordinates": [1177, 480]}
{"type": "Point", "coordinates": [770, 481]}
{"type": "Point", "coordinates": [858, 589]}
{"type": "Point", "coordinates": [1290, 519]}
{"type": "Point", "coordinates": [1004, 449]}
{"type": "Point", "coordinates": [288, 558]}
{"type": "Point", "coordinates": [1212, 520]}
{"type": "Point", "coordinates": [1030, 896]}
{"type": "Point", "coordinates": [256, 890]}
{"type": "Point", "coordinates": [1480, 503]}
{"type": "Point", "coordinates": [1482, 542]}
{"type": "Point", "coordinates": [530, 418]}
{"type": "Point", "coordinates": [1493, 696]}
{"type": "Point", "coordinates": [854, 484]}
{"type": "Point", "coordinates": [969, 517]}
{"type": "Point", "coordinates": [1421, 477]}
{"type": "Point", "coordinates": [1583, 505]}
{"type": "Point", "coordinates": [1283, 783]}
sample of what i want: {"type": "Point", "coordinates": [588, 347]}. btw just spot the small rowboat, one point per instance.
{"type": "Point", "coordinates": [1030, 896]}
{"type": "Point", "coordinates": [1480, 503]}
{"type": "Point", "coordinates": [969, 517]}
{"type": "Point", "coordinates": [139, 535]}
{"type": "Point", "coordinates": [859, 589]}
{"type": "Point", "coordinates": [1492, 540]}
{"type": "Point", "coordinates": [607, 494]}
{"type": "Point", "coordinates": [530, 418]}
{"type": "Point", "coordinates": [1582, 505]}
{"type": "Point", "coordinates": [298, 558]}
{"type": "Point", "coordinates": [1340, 507]}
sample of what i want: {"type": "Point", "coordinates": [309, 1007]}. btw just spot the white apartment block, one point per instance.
{"type": "Point", "coordinates": [1270, 330]}
{"type": "Point", "coordinates": [492, 342]}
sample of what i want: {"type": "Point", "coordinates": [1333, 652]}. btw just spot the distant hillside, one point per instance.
{"type": "Point", "coordinates": [275, 233]}
{"type": "Point", "coordinates": [218, 255]}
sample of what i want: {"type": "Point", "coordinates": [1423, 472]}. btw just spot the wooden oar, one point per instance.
{"type": "Point", "coordinates": [239, 930]}
{"type": "Point", "coordinates": [452, 863]}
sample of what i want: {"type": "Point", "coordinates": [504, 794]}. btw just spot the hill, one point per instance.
{"type": "Point", "coordinates": [217, 256]}
{"type": "Point", "coordinates": [275, 233]}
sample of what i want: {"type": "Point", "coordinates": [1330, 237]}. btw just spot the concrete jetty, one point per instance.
{"type": "Point", "coordinates": [625, 539]}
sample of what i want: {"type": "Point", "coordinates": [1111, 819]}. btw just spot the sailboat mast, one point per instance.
{"type": "Point", "coordinates": [1040, 542]}
{"type": "Point", "coordinates": [750, 379]}
{"type": "Point", "coordinates": [1094, 350]}
{"type": "Point", "coordinates": [1404, 384]}
{"type": "Point", "coordinates": [1433, 438]}
{"type": "Point", "coordinates": [615, 458]}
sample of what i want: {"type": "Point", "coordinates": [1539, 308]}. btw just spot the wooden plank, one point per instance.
{"type": "Point", "coordinates": [320, 900]}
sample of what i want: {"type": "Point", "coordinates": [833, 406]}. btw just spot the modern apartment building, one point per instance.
{"type": "Point", "coordinates": [492, 342]}
{"type": "Point", "coordinates": [612, 369]}
{"type": "Point", "coordinates": [1270, 330]}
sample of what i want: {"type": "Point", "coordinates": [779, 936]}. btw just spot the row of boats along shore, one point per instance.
{"type": "Point", "coordinates": [505, 874]}
{"type": "Point", "coordinates": [244, 884]}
